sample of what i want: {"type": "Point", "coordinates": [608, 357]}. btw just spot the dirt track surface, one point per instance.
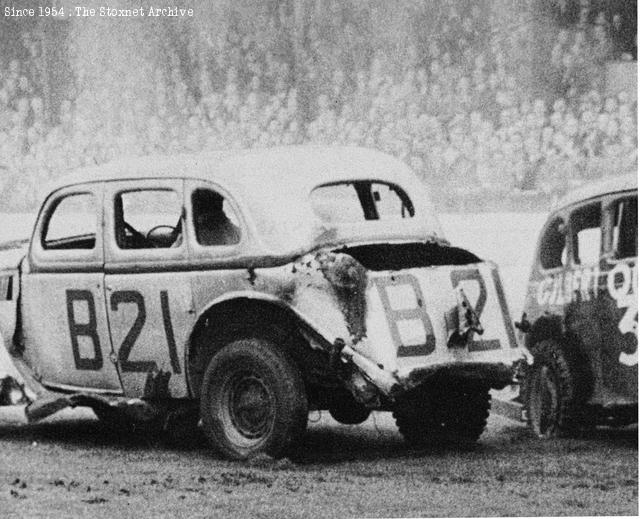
{"type": "Point", "coordinates": [69, 466]}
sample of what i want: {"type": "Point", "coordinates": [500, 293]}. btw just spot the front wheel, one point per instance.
{"type": "Point", "coordinates": [552, 393]}
{"type": "Point", "coordinates": [253, 400]}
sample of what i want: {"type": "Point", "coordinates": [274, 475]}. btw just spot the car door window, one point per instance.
{"type": "Point", "coordinates": [625, 229]}
{"type": "Point", "coordinates": [214, 220]}
{"type": "Point", "coordinates": [586, 234]}
{"type": "Point", "coordinates": [553, 246]}
{"type": "Point", "coordinates": [72, 224]}
{"type": "Point", "coordinates": [148, 219]}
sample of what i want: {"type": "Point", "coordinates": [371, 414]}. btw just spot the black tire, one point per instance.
{"type": "Point", "coordinates": [554, 393]}
{"type": "Point", "coordinates": [349, 412]}
{"type": "Point", "coordinates": [452, 416]}
{"type": "Point", "coordinates": [253, 400]}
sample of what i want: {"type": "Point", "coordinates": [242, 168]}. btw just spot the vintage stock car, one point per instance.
{"type": "Point", "coordinates": [581, 312]}
{"type": "Point", "coordinates": [242, 290]}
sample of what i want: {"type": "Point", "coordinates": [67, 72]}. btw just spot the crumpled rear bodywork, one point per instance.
{"type": "Point", "coordinates": [400, 327]}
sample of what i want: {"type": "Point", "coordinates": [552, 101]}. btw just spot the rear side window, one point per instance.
{"type": "Point", "coordinates": [352, 202]}
{"type": "Point", "coordinates": [214, 220]}
{"type": "Point", "coordinates": [586, 234]}
{"type": "Point", "coordinates": [553, 246]}
{"type": "Point", "coordinates": [625, 230]}
{"type": "Point", "coordinates": [72, 223]}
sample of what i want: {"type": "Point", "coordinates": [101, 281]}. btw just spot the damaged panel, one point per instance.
{"type": "Point", "coordinates": [348, 281]}
{"type": "Point", "coordinates": [413, 315]}
{"type": "Point", "coordinates": [399, 320]}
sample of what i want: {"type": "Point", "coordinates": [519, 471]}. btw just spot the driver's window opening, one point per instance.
{"type": "Point", "coordinates": [72, 223]}
{"type": "Point", "coordinates": [148, 219]}
{"type": "Point", "coordinates": [214, 220]}
{"type": "Point", "coordinates": [553, 247]}
{"type": "Point", "coordinates": [351, 202]}
{"type": "Point", "coordinates": [586, 234]}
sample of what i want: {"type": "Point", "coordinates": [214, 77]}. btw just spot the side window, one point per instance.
{"type": "Point", "coordinates": [214, 220]}
{"type": "Point", "coordinates": [72, 223]}
{"type": "Point", "coordinates": [586, 234]}
{"type": "Point", "coordinates": [625, 230]}
{"type": "Point", "coordinates": [358, 201]}
{"type": "Point", "coordinates": [553, 246]}
{"type": "Point", "coordinates": [148, 219]}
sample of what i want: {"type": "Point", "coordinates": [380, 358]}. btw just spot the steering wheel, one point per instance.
{"type": "Point", "coordinates": [154, 243]}
{"type": "Point", "coordinates": [136, 236]}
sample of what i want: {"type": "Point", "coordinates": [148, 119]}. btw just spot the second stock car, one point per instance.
{"type": "Point", "coordinates": [242, 290]}
{"type": "Point", "coordinates": [581, 312]}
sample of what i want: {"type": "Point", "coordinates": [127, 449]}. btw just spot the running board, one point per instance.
{"type": "Point", "coordinates": [134, 408]}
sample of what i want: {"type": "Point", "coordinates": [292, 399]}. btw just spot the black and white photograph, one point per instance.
{"type": "Point", "coordinates": [318, 258]}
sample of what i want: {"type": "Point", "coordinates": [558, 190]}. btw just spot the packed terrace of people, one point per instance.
{"type": "Point", "coordinates": [453, 106]}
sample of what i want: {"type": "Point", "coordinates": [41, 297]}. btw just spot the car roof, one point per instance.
{"type": "Point", "coordinates": [304, 165]}
{"type": "Point", "coordinates": [273, 186]}
{"type": "Point", "coordinates": [613, 184]}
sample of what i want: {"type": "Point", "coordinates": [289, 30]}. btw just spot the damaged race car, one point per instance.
{"type": "Point", "coordinates": [238, 291]}
{"type": "Point", "coordinates": [580, 318]}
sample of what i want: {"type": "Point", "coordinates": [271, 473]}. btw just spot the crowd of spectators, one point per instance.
{"type": "Point", "coordinates": [452, 106]}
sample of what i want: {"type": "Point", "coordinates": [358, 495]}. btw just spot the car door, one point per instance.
{"type": "Point", "coordinates": [551, 265]}
{"type": "Point", "coordinates": [581, 287]}
{"type": "Point", "coordinates": [619, 301]}
{"type": "Point", "coordinates": [147, 285]}
{"type": "Point", "coordinates": [66, 336]}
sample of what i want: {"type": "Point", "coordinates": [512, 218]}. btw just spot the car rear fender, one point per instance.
{"type": "Point", "coordinates": [324, 337]}
{"type": "Point", "coordinates": [324, 329]}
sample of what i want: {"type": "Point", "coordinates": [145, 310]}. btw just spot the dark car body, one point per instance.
{"type": "Point", "coordinates": [581, 303]}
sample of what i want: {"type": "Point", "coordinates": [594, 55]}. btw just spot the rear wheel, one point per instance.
{"type": "Point", "coordinates": [253, 400]}
{"type": "Point", "coordinates": [444, 416]}
{"type": "Point", "coordinates": [553, 394]}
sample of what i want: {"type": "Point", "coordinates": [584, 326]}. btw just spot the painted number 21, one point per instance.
{"type": "Point", "coordinates": [90, 330]}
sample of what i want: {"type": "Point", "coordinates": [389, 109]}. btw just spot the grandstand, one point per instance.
{"type": "Point", "coordinates": [492, 103]}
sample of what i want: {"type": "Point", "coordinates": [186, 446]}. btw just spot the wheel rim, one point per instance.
{"type": "Point", "coordinates": [546, 403]}
{"type": "Point", "coordinates": [248, 409]}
